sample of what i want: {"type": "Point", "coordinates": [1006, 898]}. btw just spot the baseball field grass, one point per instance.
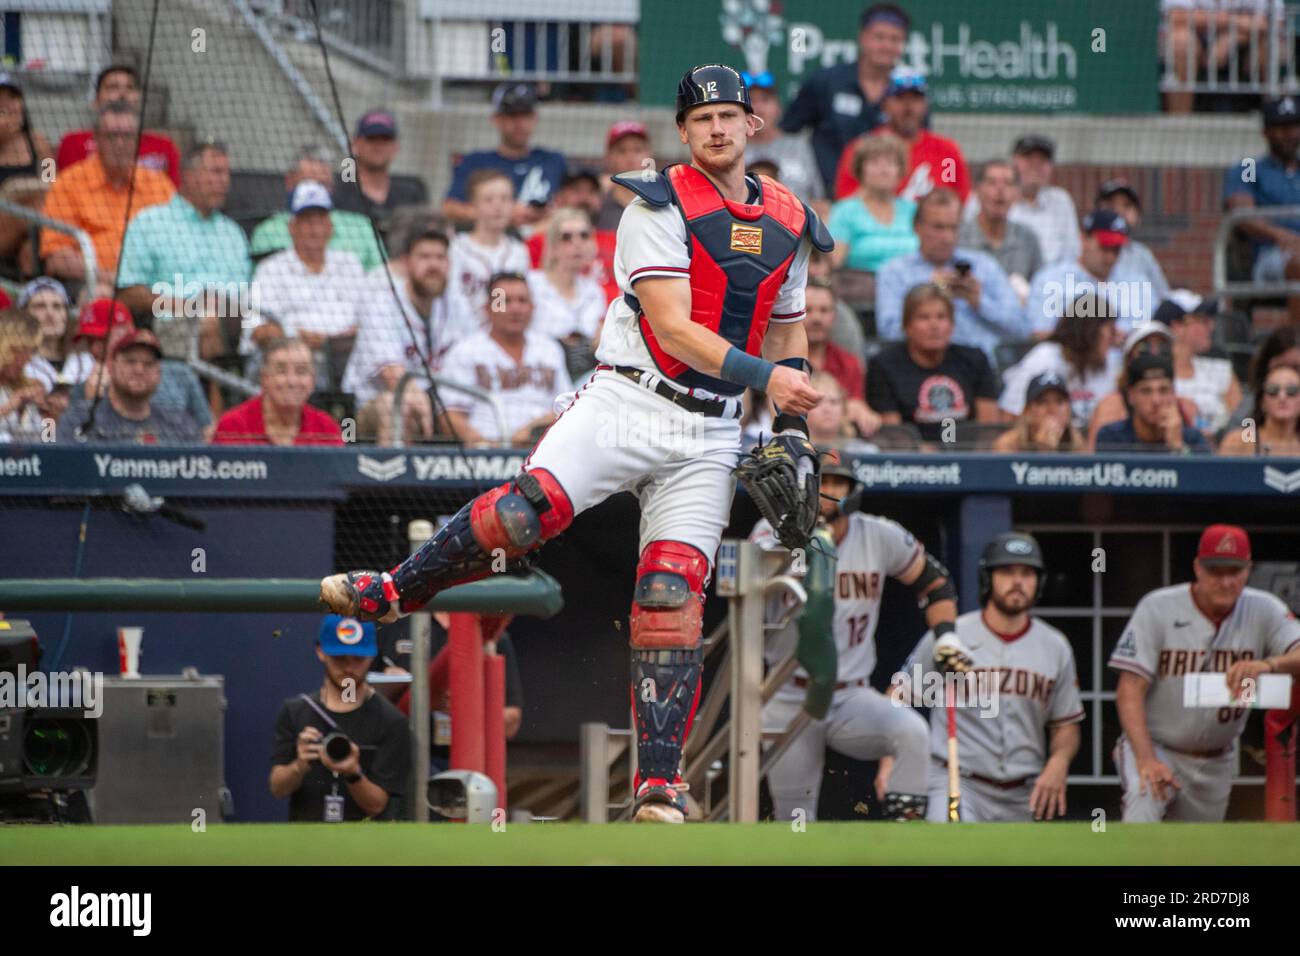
{"type": "Point", "coordinates": [575, 844]}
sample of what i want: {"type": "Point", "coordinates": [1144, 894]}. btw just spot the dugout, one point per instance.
{"type": "Point", "coordinates": [301, 513]}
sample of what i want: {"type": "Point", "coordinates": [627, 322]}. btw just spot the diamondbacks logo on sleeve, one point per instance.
{"type": "Point", "coordinates": [746, 239]}
{"type": "Point", "coordinates": [1127, 646]}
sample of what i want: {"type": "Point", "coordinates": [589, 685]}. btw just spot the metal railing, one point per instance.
{"type": "Point", "coordinates": [490, 40]}
{"type": "Point", "coordinates": [98, 15]}
{"type": "Point", "coordinates": [586, 51]}
{"type": "Point", "coordinates": [494, 401]}
{"type": "Point", "coordinates": [1249, 289]}
{"type": "Point", "coordinates": [1258, 47]}
{"type": "Point", "coordinates": [323, 114]}
{"type": "Point", "coordinates": [369, 31]}
{"type": "Point", "coordinates": [83, 241]}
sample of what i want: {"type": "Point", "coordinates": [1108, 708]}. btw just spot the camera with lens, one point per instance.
{"type": "Point", "coordinates": [337, 745]}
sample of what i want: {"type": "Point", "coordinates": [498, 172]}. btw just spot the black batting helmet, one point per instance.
{"type": "Point", "coordinates": [711, 83]}
{"type": "Point", "coordinates": [1014, 547]}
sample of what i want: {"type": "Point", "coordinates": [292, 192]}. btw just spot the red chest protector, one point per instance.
{"type": "Point", "coordinates": [740, 255]}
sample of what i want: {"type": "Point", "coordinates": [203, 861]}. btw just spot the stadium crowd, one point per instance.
{"type": "Point", "coordinates": [963, 307]}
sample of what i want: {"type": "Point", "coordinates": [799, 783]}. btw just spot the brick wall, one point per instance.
{"type": "Point", "coordinates": [1180, 213]}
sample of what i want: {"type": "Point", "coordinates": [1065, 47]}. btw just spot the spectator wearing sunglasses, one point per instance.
{"type": "Point", "coordinates": [792, 155]}
{"type": "Point", "coordinates": [842, 102]}
{"type": "Point", "coordinates": [933, 161]}
{"type": "Point", "coordinates": [1276, 427]}
{"type": "Point", "coordinates": [568, 304]}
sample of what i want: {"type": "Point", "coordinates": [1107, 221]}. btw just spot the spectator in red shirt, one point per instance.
{"type": "Point", "coordinates": [841, 364]}
{"type": "Point", "coordinates": [933, 161]}
{"type": "Point", "coordinates": [279, 414]}
{"type": "Point", "coordinates": [157, 151]}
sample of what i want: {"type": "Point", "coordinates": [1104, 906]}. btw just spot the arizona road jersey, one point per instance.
{"type": "Point", "coordinates": [873, 548]}
{"type": "Point", "coordinates": [1031, 681]}
{"type": "Point", "coordinates": [653, 241]}
{"type": "Point", "coordinates": [1168, 638]}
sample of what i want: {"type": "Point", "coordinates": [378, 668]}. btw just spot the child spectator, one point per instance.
{"type": "Point", "coordinates": [486, 250]}
{"type": "Point", "coordinates": [20, 395]}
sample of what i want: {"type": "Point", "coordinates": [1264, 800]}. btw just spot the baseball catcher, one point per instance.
{"type": "Point", "coordinates": [712, 265]}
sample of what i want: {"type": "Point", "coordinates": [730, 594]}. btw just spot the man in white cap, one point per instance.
{"type": "Point", "coordinates": [309, 290]}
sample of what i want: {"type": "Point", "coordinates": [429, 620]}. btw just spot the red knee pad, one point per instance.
{"type": "Point", "coordinates": [668, 604]}
{"type": "Point", "coordinates": [518, 532]}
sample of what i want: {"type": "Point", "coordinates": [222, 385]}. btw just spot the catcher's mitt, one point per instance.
{"type": "Point", "coordinates": [784, 479]}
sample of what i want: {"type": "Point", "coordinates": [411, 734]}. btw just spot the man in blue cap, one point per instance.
{"type": "Point", "coordinates": [309, 768]}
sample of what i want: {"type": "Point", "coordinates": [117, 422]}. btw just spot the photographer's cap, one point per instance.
{"type": "Point", "coordinates": [341, 636]}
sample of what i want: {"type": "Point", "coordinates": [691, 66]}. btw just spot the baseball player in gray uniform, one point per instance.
{"type": "Point", "coordinates": [862, 722]}
{"type": "Point", "coordinates": [1017, 724]}
{"type": "Point", "coordinates": [1175, 762]}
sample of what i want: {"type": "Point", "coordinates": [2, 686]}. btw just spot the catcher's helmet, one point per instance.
{"type": "Point", "coordinates": [1014, 547]}
{"type": "Point", "coordinates": [711, 83]}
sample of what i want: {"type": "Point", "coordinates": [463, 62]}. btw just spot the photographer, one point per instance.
{"type": "Point", "coordinates": [323, 781]}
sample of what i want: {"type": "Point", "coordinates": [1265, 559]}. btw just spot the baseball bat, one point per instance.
{"type": "Point", "coordinates": [954, 778]}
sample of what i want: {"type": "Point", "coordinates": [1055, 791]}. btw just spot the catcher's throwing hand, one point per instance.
{"type": "Point", "coordinates": [784, 478]}
{"type": "Point", "coordinates": [950, 657]}
{"type": "Point", "coordinates": [791, 391]}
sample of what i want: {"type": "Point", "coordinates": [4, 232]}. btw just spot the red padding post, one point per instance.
{"type": "Point", "coordinates": [466, 691]}
{"type": "Point", "coordinates": [494, 721]}
{"type": "Point", "coordinates": [1279, 760]}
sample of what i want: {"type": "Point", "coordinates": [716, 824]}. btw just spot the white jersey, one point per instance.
{"type": "Point", "coordinates": [393, 332]}
{"type": "Point", "coordinates": [305, 301]}
{"type": "Point", "coordinates": [1086, 391]}
{"type": "Point", "coordinates": [1169, 637]}
{"type": "Point", "coordinates": [1024, 684]}
{"type": "Point", "coordinates": [472, 265]}
{"type": "Point", "coordinates": [873, 548]}
{"type": "Point", "coordinates": [559, 317]}
{"type": "Point", "coordinates": [1207, 388]}
{"type": "Point", "coordinates": [526, 389]}
{"type": "Point", "coordinates": [653, 242]}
